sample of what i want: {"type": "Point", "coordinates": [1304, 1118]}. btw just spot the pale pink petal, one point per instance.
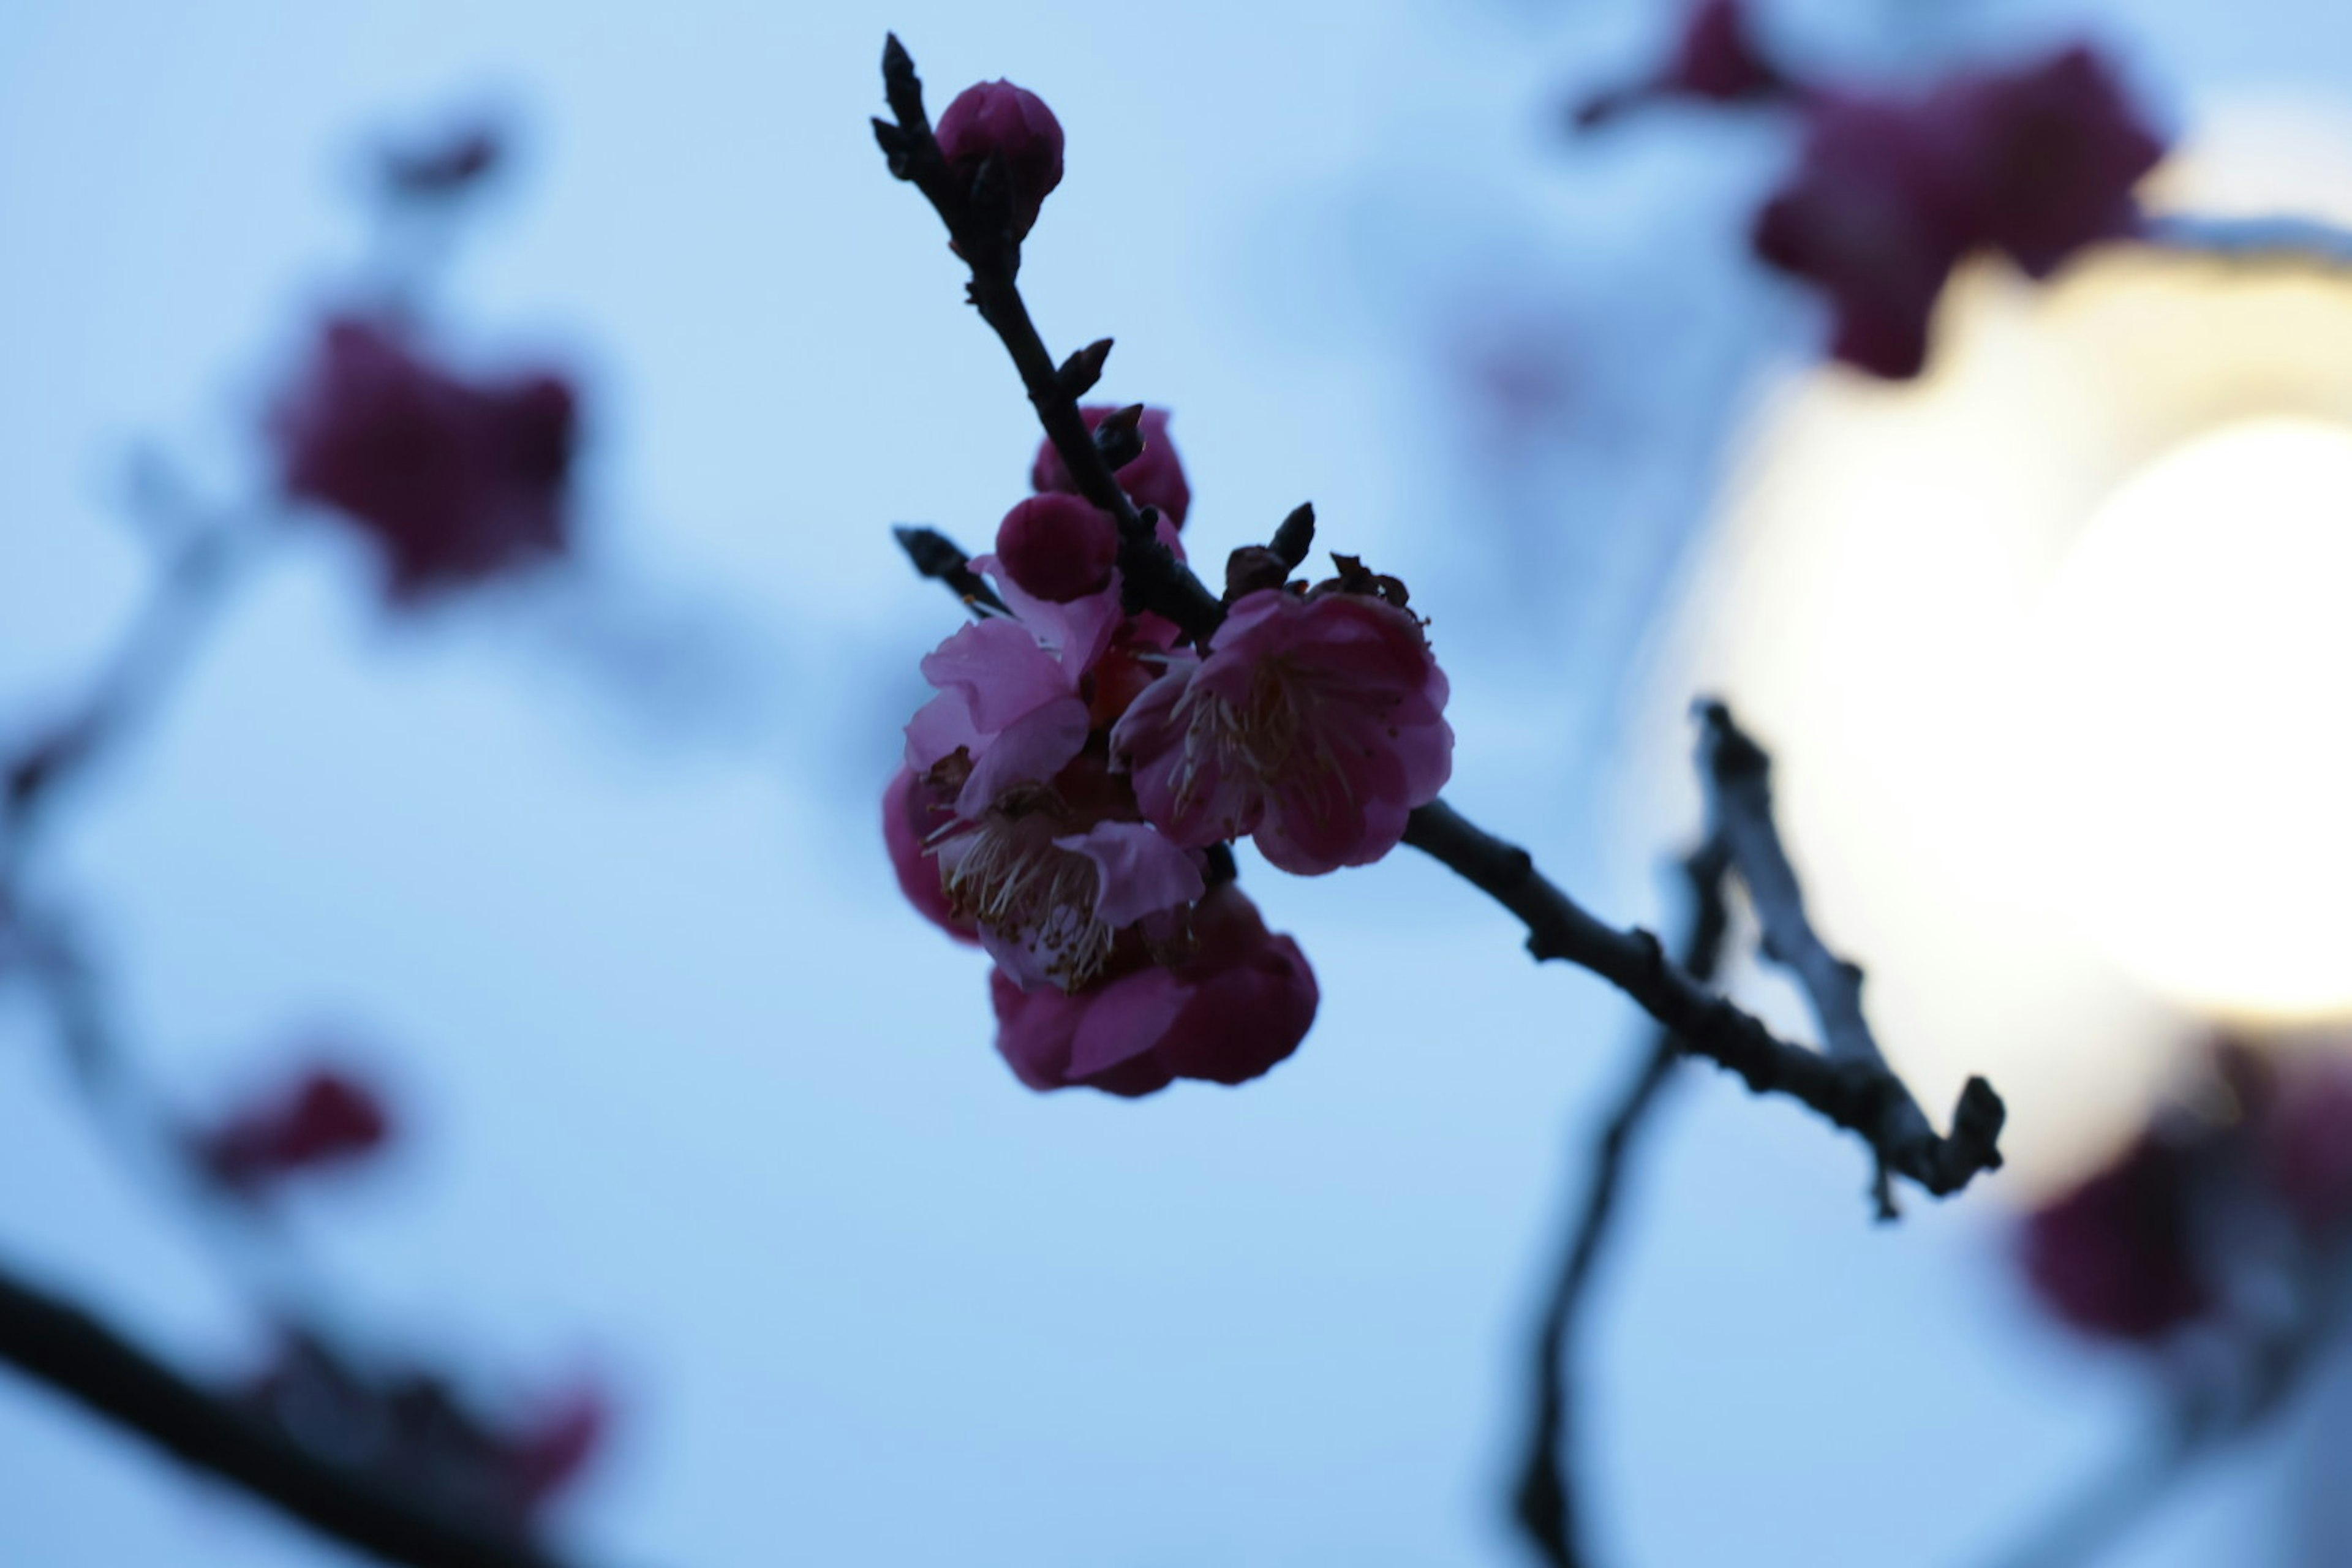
{"type": "Point", "coordinates": [938, 728]}
{"type": "Point", "coordinates": [1001, 671]}
{"type": "Point", "coordinates": [1125, 1019]}
{"type": "Point", "coordinates": [1032, 749]}
{"type": "Point", "coordinates": [1141, 872]}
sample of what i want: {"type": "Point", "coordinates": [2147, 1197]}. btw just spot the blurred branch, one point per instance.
{"type": "Point", "coordinates": [1739, 794]}
{"type": "Point", "coordinates": [2289, 240]}
{"type": "Point", "coordinates": [59, 1344]}
{"type": "Point", "coordinates": [1545, 1501]}
{"type": "Point", "coordinates": [188, 588]}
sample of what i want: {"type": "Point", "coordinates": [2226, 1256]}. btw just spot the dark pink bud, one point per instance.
{"type": "Point", "coordinates": [2116, 1257]}
{"type": "Point", "coordinates": [323, 1118]}
{"type": "Point", "coordinates": [1238, 1003]}
{"type": "Point", "coordinates": [1156, 479]}
{"type": "Point", "coordinates": [451, 480]}
{"type": "Point", "coordinates": [1057, 547]}
{"type": "Point", "coordinates": [1013, 123]}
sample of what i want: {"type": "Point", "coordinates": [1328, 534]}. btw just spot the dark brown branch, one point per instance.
{"type": "Point", "coordinates": [1850, 1094]}
{"type": "Point", "coordinates": [1740, 798]}
{"type": "Point", "coordinates": [982, 233]}
{"type": "Point", "coordinates": [67, 1350]}
{"type": "Point", "coordinates": [1545, 1501]}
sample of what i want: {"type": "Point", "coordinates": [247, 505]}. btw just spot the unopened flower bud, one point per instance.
{"type": "Point", "coordinates": [996, 118]}
{"type": "Point", "coordinates": [1057, 547]}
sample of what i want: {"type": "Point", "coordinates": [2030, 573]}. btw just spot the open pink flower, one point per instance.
{"type": "Point", "coordinates": [913, 810]}
{"type": "Point", "coordinates": [451, 480]}
{"type": "Point", "coordinates": [1315, 723]}
{"type": "Point", "coordinates": [1238, 1004]}
{"type": "Point", "coordinates": [1155, 479]}
{"type": "Point", "coordinates": [1051, 896]}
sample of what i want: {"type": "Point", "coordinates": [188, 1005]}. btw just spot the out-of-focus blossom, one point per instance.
{"type": "Point", "coordinates": [2305, 1134]}
{"type": "Point", "coordinates": [451, 480]}
{"type": "Point", "coordinates": [413, 1433]}
{"type": "Point", "coordinates": [1154, 478]}
{"type": "Point", "coordinates": [1315, 723]}
{"type": "Point", "coordinates": [323, 1117]}
{"type": "Point", "coordinates": [2116, 1257]}
{"type": "Point", "coordinates": [1890, 195]}
{"type": "Point", "coordinates": [1057, 547]}
{"type": "Point", "coordinates": [1714, 57]}
{"type": "Point", "coordinates": [1014, 125]}
{"type": "Point", "coordinates": [1238, 1003]}
{"type": "Point", "coordinates": [1870, 217]}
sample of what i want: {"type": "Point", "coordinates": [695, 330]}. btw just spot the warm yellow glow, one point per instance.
{"type": "Point", "coordinates": [2193, 682]}
{"type": "Point", "coordinates": [2051, 646]}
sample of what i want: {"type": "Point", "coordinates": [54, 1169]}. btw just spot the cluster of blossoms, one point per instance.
{"type": "Point", "coordinates": [1068, 797]}
{"type": "Point", "coordinates": [2246, 1185]}
{"type": "Point", "coordinates": [1891, 192]}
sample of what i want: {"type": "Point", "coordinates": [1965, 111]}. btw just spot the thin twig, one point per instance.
{"type": "Point", "coordinates": [1738, 776]}
{"type": "Point", "coordinates": [1849, 1094]}
{"type": "Point", "coordinates": [1544, 1501]}
{"type": "Point", "coordinates": [2290, 241]}
{"type": "Point", "coordinates": [68, 1350]}
{"type": "Point", "coordinates": [979, 226]}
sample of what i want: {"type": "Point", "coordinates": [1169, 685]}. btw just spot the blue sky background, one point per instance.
{"type": "Point", "coordinates": [698, 1101]}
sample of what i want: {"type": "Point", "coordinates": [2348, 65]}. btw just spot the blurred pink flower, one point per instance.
{"type": "Point", "coordinates": [1315, 723]}
{"type": "Point", "coordinates": [996, 117]}
{"type": "Point", "coordinates": [322, 1117]}
{"type": "Point", "coordinates": [1239, 1003]}
{"type": "Point", "coordinates": [451, 480]}
{"type": "Point", "coordinates": [2037, 162]}
{"type": "Point", "coordinates": [2115, 1257]}
{"type": "Point", "coordinates": [1155, 479]}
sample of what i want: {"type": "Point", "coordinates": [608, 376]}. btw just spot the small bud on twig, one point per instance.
{"type": "Point", "coordinates": [1296, 537]}
{"type": "Point", "coordinates": [1083, 369]}
{"type": "Point", "coordinates": [1119, 437]}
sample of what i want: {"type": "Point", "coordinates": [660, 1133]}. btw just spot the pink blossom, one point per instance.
{"type": "Point", "coordinates": [913, 809]}
{"type": "Point", "coordinates": [1052, 894]}
{"type": "Point", "coordinates": [1014, 124]}
{"type": "Point", "coordinates": [1057, 547]}
{"type": "Point", "coordinates": [1315, 723]}
{"type": "Point", "coordinates": [322, 1117]}
{"type": "Point", "coordinates": [1155, 479]}
{"type": "Point", "coordinates": [2116, 1257]}
{"type": "Point", "coordinates": [1875, 219]}
{"type": "Point", "coordinates": [451, 480]}
{"type": "Point", "coordinates": [1889, 195]}
{"type": "Point", "coordinates": [1238, 1003]}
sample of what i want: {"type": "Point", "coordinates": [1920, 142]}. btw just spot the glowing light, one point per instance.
{"type": "Point", "coordinates": [2194, 696]}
